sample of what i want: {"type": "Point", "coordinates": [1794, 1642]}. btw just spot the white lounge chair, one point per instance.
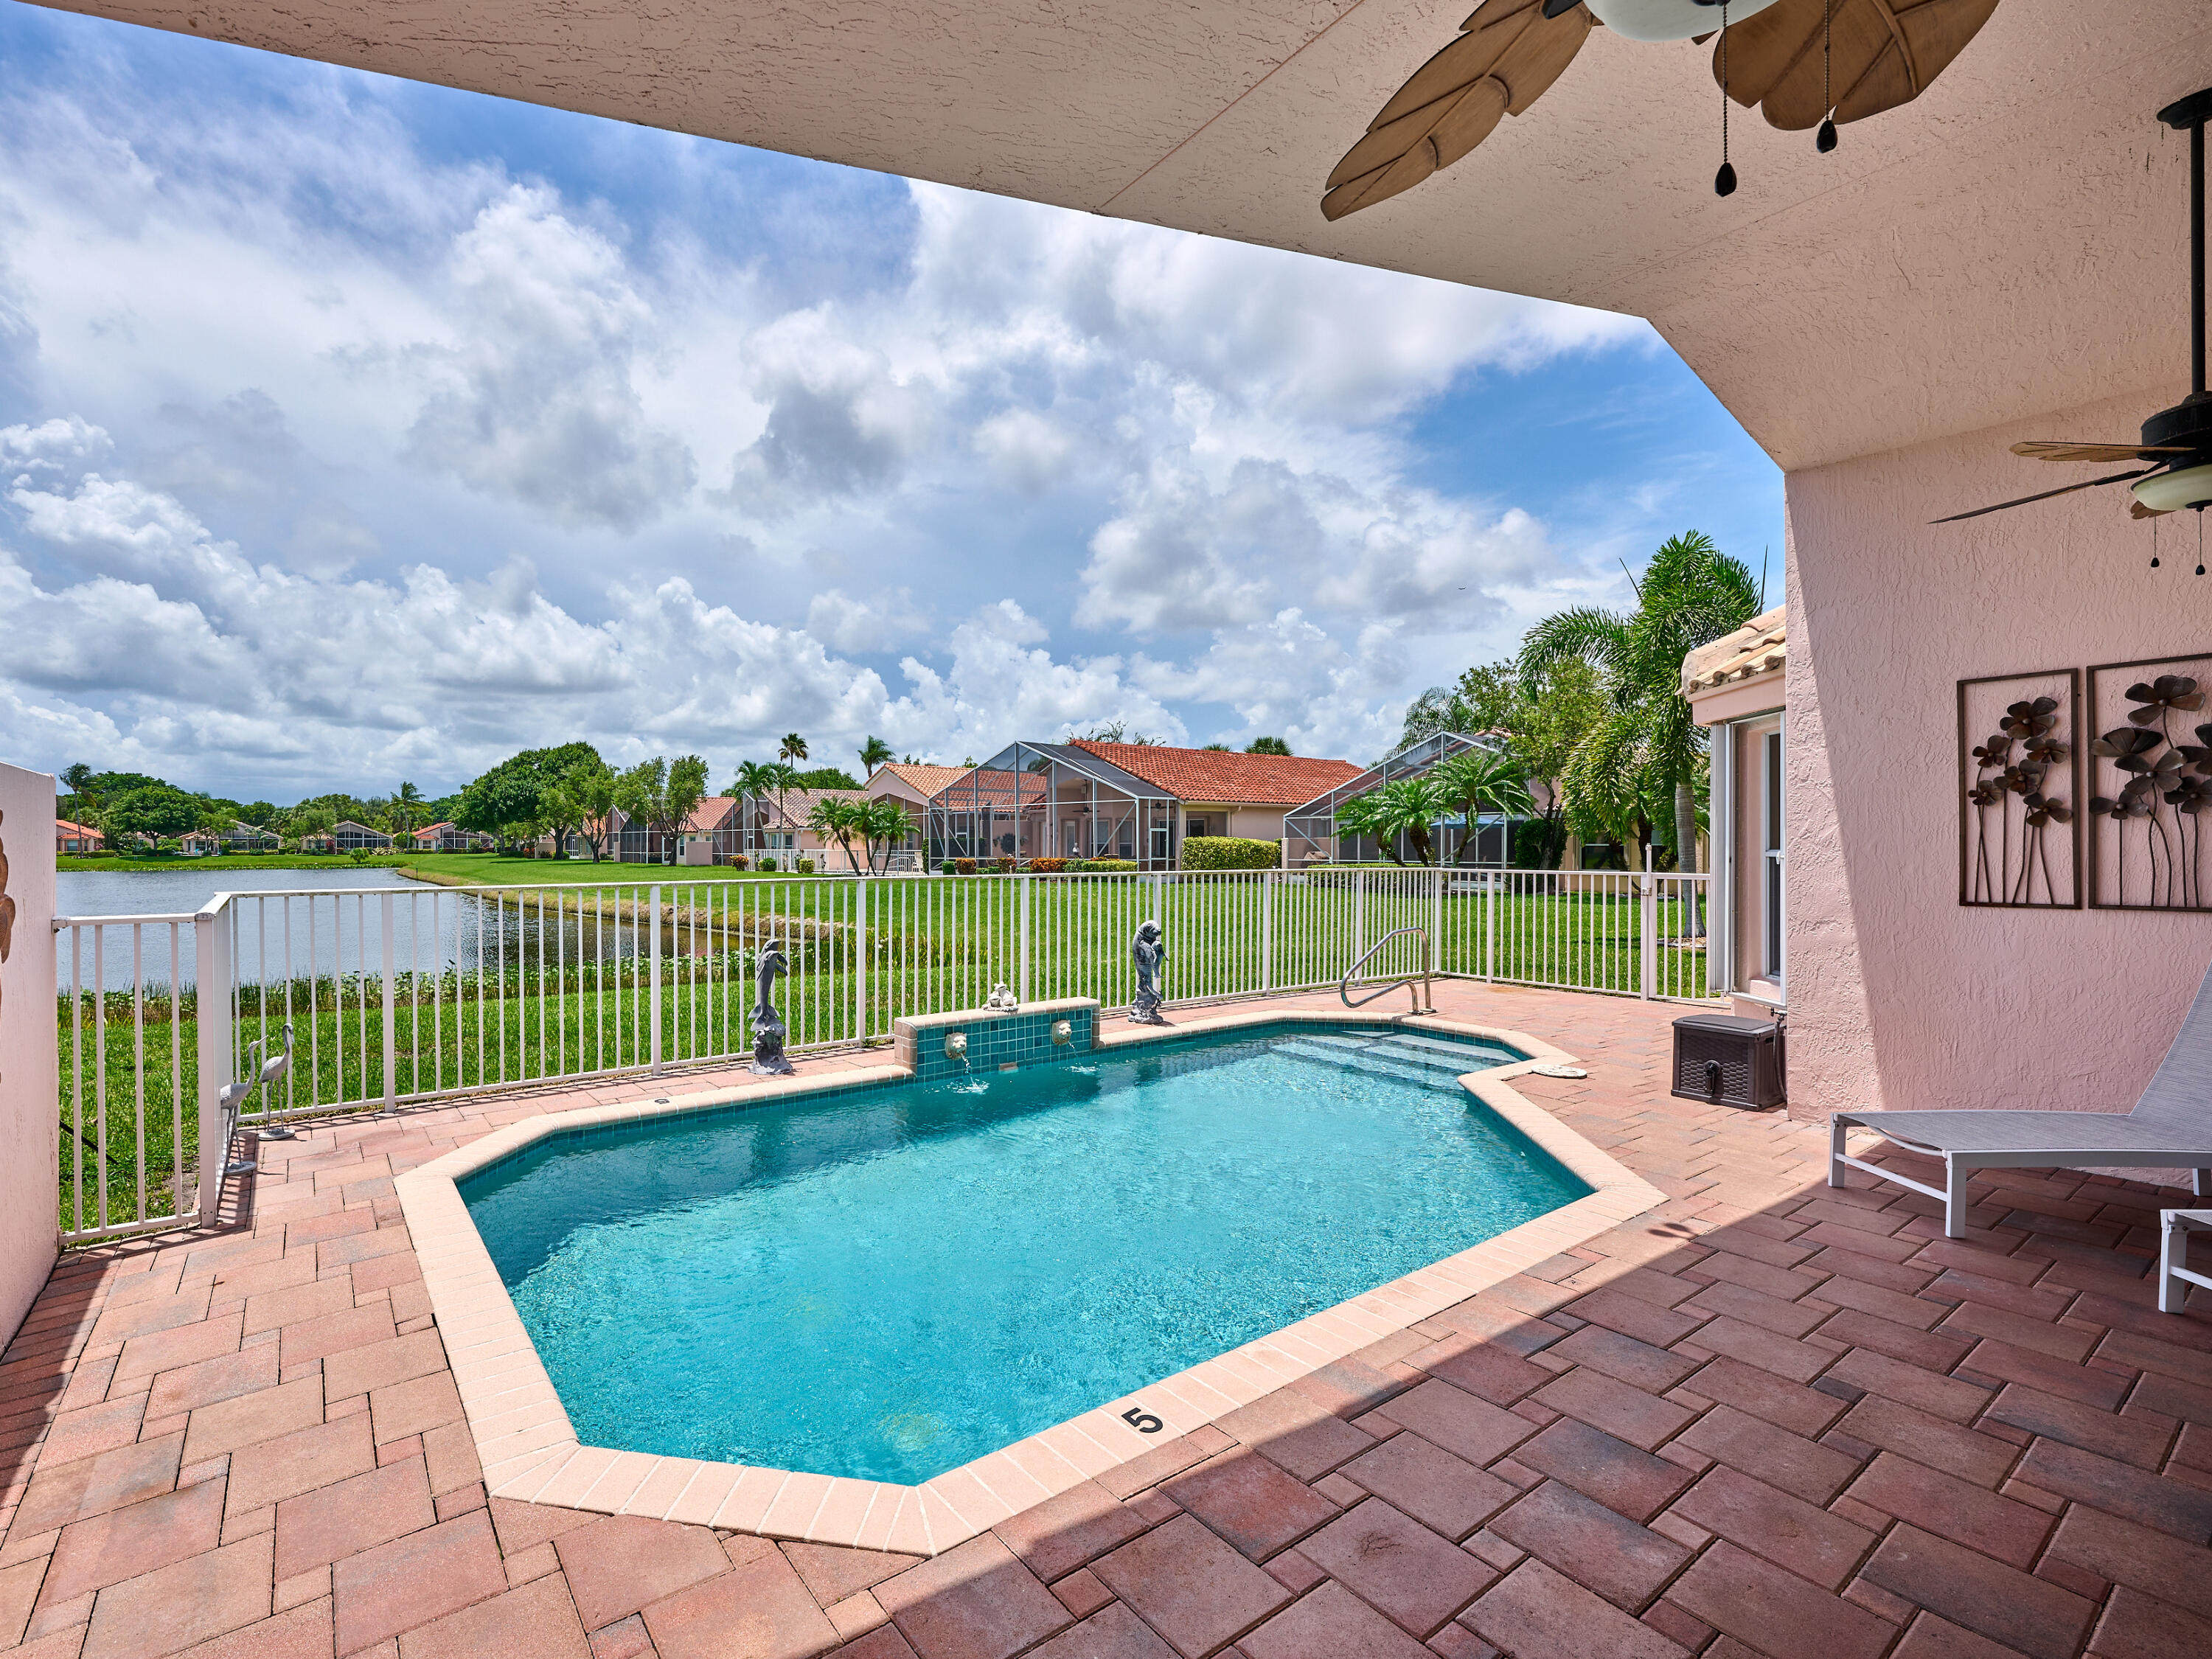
{"type": "Point", "coordinates": [2174, 1276]}
{"type": "Point", "coordinates": [2170, 1126]}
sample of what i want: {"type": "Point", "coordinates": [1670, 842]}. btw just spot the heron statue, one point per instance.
{"type": "Point", "coordinates": [231, 1099]}
{"type": "Point", "coordinates": [274, 1071]}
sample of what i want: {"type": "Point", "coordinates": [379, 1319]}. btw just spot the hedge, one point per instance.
{"type": "Point", "coordinates": [1230, 853]}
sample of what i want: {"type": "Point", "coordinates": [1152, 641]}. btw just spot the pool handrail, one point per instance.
{"type": "Point", "coordinates": [1422, 986]}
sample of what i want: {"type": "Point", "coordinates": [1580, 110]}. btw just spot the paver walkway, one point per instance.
{"type": "Point", "coordinates": [1764, 1418]}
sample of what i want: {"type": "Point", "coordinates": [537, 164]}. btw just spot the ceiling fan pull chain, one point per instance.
{"type": "Point", "coordinates": [2154, 542]}
{"type": "Point", "coordinates": [1724, 180]}
{"type": "Point", "coordinates": [2200, 541]}
{"type": "Point", "coordinates": [1827, 141]}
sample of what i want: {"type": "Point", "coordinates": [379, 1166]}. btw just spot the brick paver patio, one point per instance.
{"type": "Point", "coordinates": [1763, 1419]}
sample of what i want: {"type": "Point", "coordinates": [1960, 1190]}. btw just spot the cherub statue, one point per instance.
{"type": "Point", "coordinates": [1148, 951]}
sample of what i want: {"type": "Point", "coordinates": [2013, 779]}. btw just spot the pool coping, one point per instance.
{"type": "Point", "coordinates": [530, 1451]}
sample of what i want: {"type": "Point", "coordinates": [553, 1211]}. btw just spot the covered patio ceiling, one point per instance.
{"type": "Point", "coordinates": [2012, 242]}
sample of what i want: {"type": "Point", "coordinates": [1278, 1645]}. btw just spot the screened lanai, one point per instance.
{"type": "Point", "coordinates": [1033, 800]}
{"type": "Point", "coordinates": [1309, 835]}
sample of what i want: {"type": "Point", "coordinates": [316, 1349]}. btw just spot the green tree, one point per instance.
{"type": "Point", "coordinates": [309, 819]}
{"type": "Point", "coordinates": [1647, 749]}
{"type": "Point", "coordinates": [662, 795]}
{"type": "Point", "coordinates": [81, 806]}
{"type": "Point", "coordinates": [1479, 778]}
{"type": "Point", "coordinates": [1404, 806]}
{"type": "Point", "coordinates": [835, 818]}
{"type": "Point", "coordinates": [588, 794]}
{"type": "Point", "coordinates": [1268, 746]}
{"type": "Point", "coordinates": [874, 753]}
{"type": "Point", "coordinates": [824, 777]}
{"type": "Point", "coordinates": [508, 795]}
{"type": "Point", "coordinates": [883, 823]}
{"type": "Point", "coordinates": [156, 810]}
{"type": "Point", "coordinates": [406, 811]}
{"type": "Point", "coordinates": [793, 748]}
{"type": "Point", "coordinates": [259, 813]}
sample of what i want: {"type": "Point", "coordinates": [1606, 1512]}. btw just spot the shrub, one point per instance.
{"type": "Point", "coordinates": [1004, 864]}
{"type": "Point", "coordinates": [739, 860]}
{"type": "Point", "coordinates": [804, 866]}
{"type": "Point", "coordinates": [768, 864]}
{"type": "Point", "coordinates": [1230, 853]}
{"type": "Point", "coordinates": [950, 867]}
{"type": "Point", "coordinates": [1048, 867]}
{"type": "Point", "coordinates": [1104, 867]}
{"type": "Point", "coordinates": [963, 867]}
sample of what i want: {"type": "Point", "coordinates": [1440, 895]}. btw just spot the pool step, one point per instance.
{"type": "Point", "coordinates": [1345, 1059]}
{"type": "Point", "coordinates": [1473, 1057]}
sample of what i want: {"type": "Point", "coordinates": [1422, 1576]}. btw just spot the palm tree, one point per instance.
{"type": "Point", "coordinates": [883, 821]}
{"type": "Point", "coordinates": [1647, 746]}
{"type": "Point", "coordinates": [1480, 777]}
{"type": "Point", "coordinates": [404, 807]}
{"type": "Point", "coordinates": [1406, 807]}
{"type": "Point", "coordinates": [873, 753]}
{"type": "Point", "coordinates": [793, 748]}
{"type": "Point", "coordinates": [835, 818]}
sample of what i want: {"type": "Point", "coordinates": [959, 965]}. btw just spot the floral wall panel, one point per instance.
{"type": "Point", "coordinates": [2019, 788]}
{"type": "Point", "coordinates": [2151, 783]}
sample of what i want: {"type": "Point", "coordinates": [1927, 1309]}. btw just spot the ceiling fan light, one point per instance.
{"type": "Point", "coordinates": [2170, 492]}
{"type": "Point", "coordinates": [1668, 20]}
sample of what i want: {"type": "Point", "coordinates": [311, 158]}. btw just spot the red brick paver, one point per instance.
{"type": "Point", "coordinates": [1765, 1419]}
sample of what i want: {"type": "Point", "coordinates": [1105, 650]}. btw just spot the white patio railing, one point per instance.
{"type": "Point", "coordinates": [406, 995]}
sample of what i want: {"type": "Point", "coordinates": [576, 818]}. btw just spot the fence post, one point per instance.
{"type": "Point", "coordinates": [860, 964]}
{"type": "Point", "coordinates": [652, 974]}
{"type": "Point", "coordinates": [1649, 929]}
{"type": "Point", "coordinates": [391, 1041]}
{"type": "Point", "coordinates": [211, 985]}
{"type": "Point", "coordinates": [1266, 932]}
{"type": "Point", "coordinates": [1021, 991]}
{"type": "Point", "coordinates": [1358, 913]}
{"type": "Point", "coordinates": [1436, 926]}
{"type": "Point", "coordinates": [1499, 884]}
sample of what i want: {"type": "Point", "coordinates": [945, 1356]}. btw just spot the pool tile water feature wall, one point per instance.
{"type": "Point", "coordinates": [995, 1040]}
{"type": "Point", "coordinates": [530, 1452]}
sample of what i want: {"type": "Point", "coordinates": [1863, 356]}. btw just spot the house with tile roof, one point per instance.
{"type": "Point", "coordinates": [77, 837]}
{"type": "Point", "coordinates": [1138, 802]}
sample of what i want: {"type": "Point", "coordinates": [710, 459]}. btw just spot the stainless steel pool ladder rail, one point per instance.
{"type": "Point", "coordinates": [1423, 985]}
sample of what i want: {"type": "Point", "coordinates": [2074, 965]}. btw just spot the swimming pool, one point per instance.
{"type": "Point", "coordinates": [888, 1282]}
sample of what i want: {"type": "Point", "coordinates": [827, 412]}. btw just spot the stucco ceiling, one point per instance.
{"type": "Point", "coordinates": [2014, 242]}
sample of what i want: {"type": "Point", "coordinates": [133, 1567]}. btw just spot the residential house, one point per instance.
{"type": "Point", "coordinates": [449, 837]}
{"type": "Point", "coordinates": [77, 837]}
{"type": "Point", "coordinates": [1734, 687]}
{"type": "Point", "coordinates": [199, 844]}
{"type": "Point", "coordinates": [349, 837]}
{"type": "Point", "coordinates": [768, 825]}
{"type": "Point", "coordinates": [1085, 799]}
{"type": "Point", "coordinates": [244, 837]}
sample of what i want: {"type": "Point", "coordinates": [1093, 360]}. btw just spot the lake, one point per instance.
{"type": "Point", "coordinates": [324, 920]}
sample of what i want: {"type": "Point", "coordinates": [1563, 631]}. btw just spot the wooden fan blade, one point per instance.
{"type": "Point", "coordinates": [2138, 510]}
{"type": "Point", "coordinates": [1508, 53]}
{"type": "Point", "coordinates": [2054, 450]}
{"type": "Point", "coordinates": [2044, 495]}
{"type": "Point", "coordinates": [1930, 34]}
{"type": "Point", "coordinates": [1878, 54]}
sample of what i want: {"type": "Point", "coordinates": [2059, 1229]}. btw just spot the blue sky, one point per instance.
{"type": "Point", "coordinates": [353, 430]}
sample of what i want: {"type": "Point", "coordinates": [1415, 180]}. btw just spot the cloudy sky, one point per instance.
{"type": "Point", "coordinates": [352, 431]}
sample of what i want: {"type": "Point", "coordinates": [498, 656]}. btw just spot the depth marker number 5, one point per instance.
{"type": "Point", "coordinates": [1141, 1420]}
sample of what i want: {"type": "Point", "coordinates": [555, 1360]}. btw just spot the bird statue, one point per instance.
{"type": "Point", "coordinates": [1803, 63]}
{"type": "Point", "coordinates": [231, 1099]}
{"type": "Point", "coordinates": [274, 1071]}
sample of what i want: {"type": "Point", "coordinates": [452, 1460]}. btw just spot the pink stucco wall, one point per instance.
{"type": "Point", "coordinates": [1899, 997]}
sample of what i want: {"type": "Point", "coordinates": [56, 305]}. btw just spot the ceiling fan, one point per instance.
{"type": "Point", "coordinates": [1805, 63]}
{"type": "Point", "coordinates": [2177, 441]}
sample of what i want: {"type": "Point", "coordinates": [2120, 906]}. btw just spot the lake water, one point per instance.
{"type": "Point", "coordinates": [337, 929]}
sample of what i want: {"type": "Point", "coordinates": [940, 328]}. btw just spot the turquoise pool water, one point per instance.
{"type": "Point", "coordinates": [888, 1282]}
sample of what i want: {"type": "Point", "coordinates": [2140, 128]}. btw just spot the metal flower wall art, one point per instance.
{"type": "Point", "coordinates": [2019, 836]}
{"type": "Point", "coordinates": [2153, 779]}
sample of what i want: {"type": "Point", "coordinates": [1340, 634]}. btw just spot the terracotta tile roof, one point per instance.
{"type": "Point", "coordinates": [1759, 646]}
{"type": "Point", "coordinates": [708, 814]}
{"type": "Point", "coordinates": [927, 780]}
{"type": "Point", "coordinates": [1209, 774]}
{"type": "Point", "coordinates": [63, 826]}
{"type": "Point", "coordinates": [797, 804]}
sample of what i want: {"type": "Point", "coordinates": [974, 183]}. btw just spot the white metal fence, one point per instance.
{"type": "Point", "coordinates": [395, 995]}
